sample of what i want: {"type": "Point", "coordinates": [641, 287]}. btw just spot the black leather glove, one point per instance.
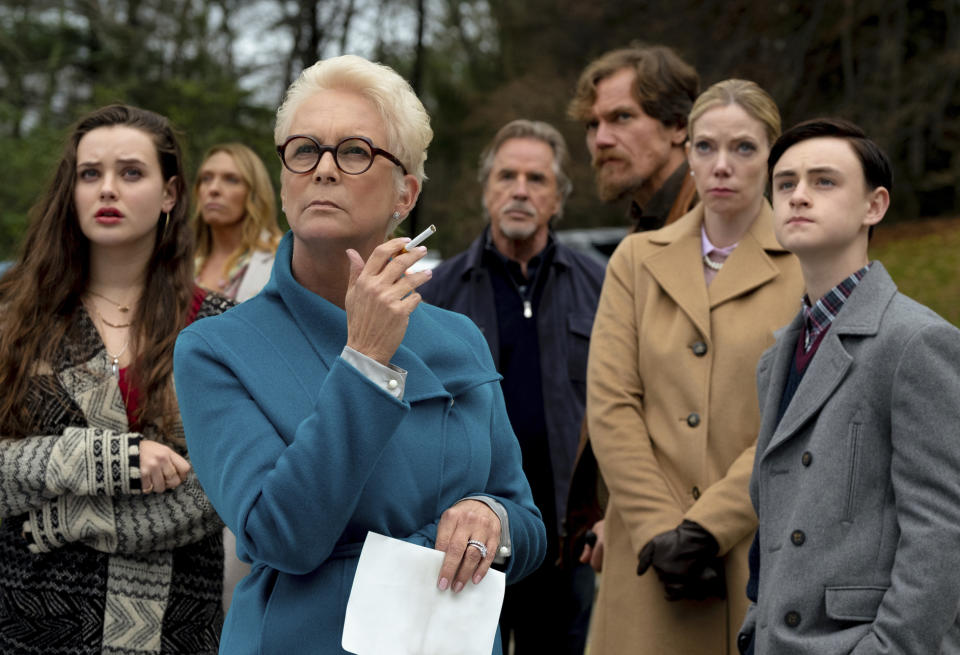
{"type": "Point", "coordinates": [685, 559]}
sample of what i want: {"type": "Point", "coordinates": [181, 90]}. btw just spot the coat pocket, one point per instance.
{"type": "Point", "coordinates": [854, 603]}
{"type": "Point", "coordinates": [853, 469]}
{"type": "Point", "coordinates": [578, 345]}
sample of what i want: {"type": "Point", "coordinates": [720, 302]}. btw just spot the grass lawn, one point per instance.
{"type": "Point", "coordinates": [924, 259]}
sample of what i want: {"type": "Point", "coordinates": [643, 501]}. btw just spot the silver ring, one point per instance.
{"type": "Point", "coordinates": [479, 546]}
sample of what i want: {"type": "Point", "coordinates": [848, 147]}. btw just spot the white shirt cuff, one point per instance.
{"type": "Point", "coordinates": [391, 379]}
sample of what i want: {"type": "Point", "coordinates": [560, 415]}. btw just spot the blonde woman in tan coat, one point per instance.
{"type": "Point", "coordinates": [684, 315]}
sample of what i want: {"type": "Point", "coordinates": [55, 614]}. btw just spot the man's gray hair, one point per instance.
{"type": "Point", "coordinates": [526, 129]}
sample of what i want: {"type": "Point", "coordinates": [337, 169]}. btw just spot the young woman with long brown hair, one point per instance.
{"type": "Point", "coordinates": [107, 542]}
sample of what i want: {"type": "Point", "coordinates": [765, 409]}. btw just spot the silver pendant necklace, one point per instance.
{"type": "Point", "coordinates": [115, 365]}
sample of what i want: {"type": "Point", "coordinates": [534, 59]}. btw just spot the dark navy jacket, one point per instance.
{"type": "Point", "coordinates": [564, 318]}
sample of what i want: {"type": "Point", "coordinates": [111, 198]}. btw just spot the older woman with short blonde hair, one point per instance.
{"type": "Point", "coordinates": [334, 403]}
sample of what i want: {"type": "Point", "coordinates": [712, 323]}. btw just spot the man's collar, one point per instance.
{"type": "Point", "coordinates": [654, 214]}
{"type": "Point", "coordinates": [489, 246]}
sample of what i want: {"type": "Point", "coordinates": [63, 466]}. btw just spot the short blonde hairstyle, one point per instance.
{"type": "Point", "coordinates": [746, 94]}
{"type": "Point", "coordinates": [405, 119]}
{"type": "Point", "coordinates": [260, 228]}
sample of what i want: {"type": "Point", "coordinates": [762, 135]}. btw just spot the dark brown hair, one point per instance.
{"type": "Point", "coordinates": [42, 290]}
{"type": "Point", "coordinates": [877, 170]}
{"type": "Point", "coordinates": [665, 85]}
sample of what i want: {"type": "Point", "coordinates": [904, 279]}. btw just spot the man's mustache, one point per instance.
{"type": "Point", "coordinates": [519, 206]}
{"type": "Point", "coordinates": [605, 156]}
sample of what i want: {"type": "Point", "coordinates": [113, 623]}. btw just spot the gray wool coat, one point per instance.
{"type": "Point", "coordinates": [857, 488]}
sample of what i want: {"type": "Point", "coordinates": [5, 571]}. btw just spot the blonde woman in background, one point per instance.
{"type": "Point", "coordinates": [684, 315]}
{"type": "Point", "coordinates": [235, 222]}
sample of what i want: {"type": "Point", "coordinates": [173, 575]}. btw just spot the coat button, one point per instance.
{"type": "Point", "coordinates": [696, 493]}
{"type": "Point", "coordinates": [798, 538]}
{"type": "Point", "coordinates": [806, 458]}
{"type": "Point", "coordinates": [792, 619]}
{"type": "Point", "coordinates": [693, 419]}
{"type": "Point", "coordinates": [699, 348]}
{"type": "Point", "coordinates": [392, 384]}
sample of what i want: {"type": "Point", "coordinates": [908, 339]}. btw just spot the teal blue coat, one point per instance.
{"type": "Point", "coordinates": [301, 454]}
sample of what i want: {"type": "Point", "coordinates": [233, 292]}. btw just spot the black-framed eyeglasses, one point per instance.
{"type": "Point", "coordinates": [301, 153]}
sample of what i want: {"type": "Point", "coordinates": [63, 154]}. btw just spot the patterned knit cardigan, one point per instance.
{"type": "Point", "coordinates": [88, 564]}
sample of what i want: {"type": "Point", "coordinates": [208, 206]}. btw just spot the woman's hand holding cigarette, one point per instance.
{"type": "Point", "coordinates": [420, 238]}
{"type": "Point", "coordinates": [381, 296]}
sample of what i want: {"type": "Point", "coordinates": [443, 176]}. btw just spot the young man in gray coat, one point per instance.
{"type": "Point", "coordinates": [856, 480]}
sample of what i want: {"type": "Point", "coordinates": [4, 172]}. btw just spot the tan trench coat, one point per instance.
{"type": "Point", "coordinates": [674, 431]}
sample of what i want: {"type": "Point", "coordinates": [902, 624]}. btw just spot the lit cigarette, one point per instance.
{"type": "Point", "coordinates": [420, 238]}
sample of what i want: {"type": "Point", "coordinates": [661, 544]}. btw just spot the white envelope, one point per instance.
{"type": "Point", "coordinates": [395, 607]}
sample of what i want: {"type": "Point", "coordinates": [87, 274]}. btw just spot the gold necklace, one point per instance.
{"type": "Point", "coordinates": [120, 308]}
{"type": "Point", "coordinates": [106, 322]}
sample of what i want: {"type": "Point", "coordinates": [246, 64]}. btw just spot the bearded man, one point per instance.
{"type": "Point", "coordinates": [634, 104]}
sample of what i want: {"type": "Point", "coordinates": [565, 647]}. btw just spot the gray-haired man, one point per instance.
{"type": "Point", "coordinates": [534, 300]}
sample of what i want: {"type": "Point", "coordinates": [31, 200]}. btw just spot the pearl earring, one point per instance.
{"type": "Point", "coordinates": [396, 216]}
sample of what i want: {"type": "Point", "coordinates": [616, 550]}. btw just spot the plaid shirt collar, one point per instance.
{"type": "Point", "coordinates": [819, 316]}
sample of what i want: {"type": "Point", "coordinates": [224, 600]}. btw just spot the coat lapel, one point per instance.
{"type": "Point", "coordinates": [826, 371]}
{"type": "Point", "coordinates": [673, 270]}
{"type": "Point", "coordinates": [773, 369]}
{"type": "Point", "coordinates": [748, 266]}
{"type": "Point", "coordinates": [860, 316]}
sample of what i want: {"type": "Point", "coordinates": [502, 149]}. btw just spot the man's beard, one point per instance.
{"type": "Point", "coordinates": [521, 230]}
{"type": "Point", "coordinates": [611, 188]}
{"type": "Point", "coordinates": [517, 231]}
